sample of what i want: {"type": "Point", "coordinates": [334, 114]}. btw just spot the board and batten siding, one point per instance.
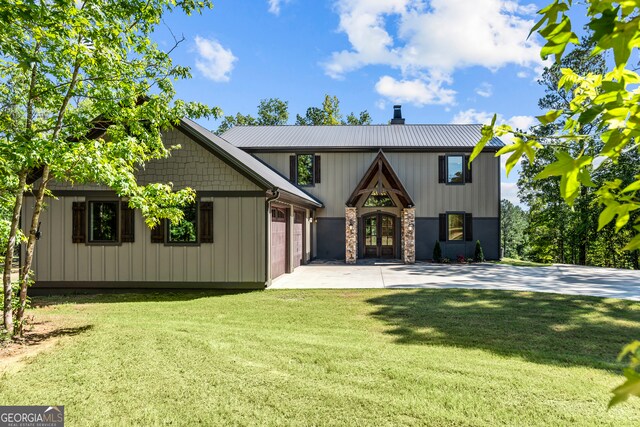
{"type": "Point", "coordinates": [236, 256]}
{"type": "Point", "coordinates": [418, 171]}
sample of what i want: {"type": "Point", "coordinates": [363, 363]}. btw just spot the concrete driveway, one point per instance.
{"type": "Point", "coordinates": [559, 278]}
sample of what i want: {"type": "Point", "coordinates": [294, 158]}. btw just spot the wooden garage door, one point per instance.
{"type": "Point", "coordinates": [298, 239]}
{"type": "Point", "coordinates": [278, 242]}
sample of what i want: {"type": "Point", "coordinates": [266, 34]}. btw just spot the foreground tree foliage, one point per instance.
{"type": "Point", "coordinates": [609, 103]}
{"type": "Point", "coordinates": [557, 232]}
{"type": "Point", "coordinates": [84, 96]}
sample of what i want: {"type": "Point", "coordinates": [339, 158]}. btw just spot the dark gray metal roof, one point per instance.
{"type": "Point", "coordinates": [249, 164]}
{"type": "Point", "coordinates": [418, 137]}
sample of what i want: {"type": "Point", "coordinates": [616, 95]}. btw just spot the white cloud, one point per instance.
{"type": "Point", "coordinates": [522, 74]}
{"type": "Point", "coordinates": [214, 61]}
{"type": "Point", "coordinates": [417, 91]}
{"type": "Point", "coordinates": [381, 104]}
{"type": "Point", "coordinates": [472, 116]}
{"type": "Point", "coordinates": [274, 6]}
{"type": "Point", "coordinates": [434, 38]}
{"type": "Point", "coordinates": [509, 191]}
{"type": "Point", "coordinates": [483, 117]}
{"type": "Point", "coordinates": [485, 90]}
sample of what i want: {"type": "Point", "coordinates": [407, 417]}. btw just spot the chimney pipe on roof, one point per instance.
{"type": "Point", "coordinates": [397, 115]}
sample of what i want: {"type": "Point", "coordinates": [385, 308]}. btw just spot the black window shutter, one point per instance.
{"type": "Point", "coordinates": [317, 162]}
{"type": "Point", "coordinates": [443, 227]}
{"type": "Point", "coordinates": [467, 170]}
{"type": "Point", "coordinates": [468, 227]}
{"type": "Point", "coordinates": [442, 169]}
{"type": "Point", "coordinates": [79, 222]}
{"type": "Point", "coordinates": [157, 232]}
{"type": "Point", "coordinates": [292, 168]}
{"type": "Point", "coordinates": [206, 222]}
{"type": "Point", "coordinates": [127, 223]}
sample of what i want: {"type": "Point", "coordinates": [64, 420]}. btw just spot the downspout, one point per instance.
{"type": "Point", "coordinates": [275, 194]}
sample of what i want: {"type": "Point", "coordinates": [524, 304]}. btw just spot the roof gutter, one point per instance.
{"type": "Point", "coordinates": [275, 194]}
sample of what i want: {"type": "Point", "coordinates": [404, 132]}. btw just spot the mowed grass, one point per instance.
{"type": "Point", "coordinates": [371, 357]}
{"type": "Point", "coordinates": [521, 263]}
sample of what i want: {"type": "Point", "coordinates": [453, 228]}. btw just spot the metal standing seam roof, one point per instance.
{"type": "Point", "coordinates": [250, 164]}
{"type": "Point", "coordinates": [370, 136]}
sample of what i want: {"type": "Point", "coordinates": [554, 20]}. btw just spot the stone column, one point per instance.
{"type": "Point", "coordinates": [409, 235]}
{"type": "Point", "coordinates": [351, 235]}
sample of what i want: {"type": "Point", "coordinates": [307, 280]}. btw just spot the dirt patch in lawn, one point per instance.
{"type": "Point", "coordinates": [39, 337]}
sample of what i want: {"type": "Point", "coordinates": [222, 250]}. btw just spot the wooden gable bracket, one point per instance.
{"type": "Point", "coordinates": [380, 167]}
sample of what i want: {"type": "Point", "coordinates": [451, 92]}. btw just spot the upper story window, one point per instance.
{"type": "Point", "coordinates": [103, 222]}
{"type": "Point", "coordinates": [454, 169]}
{"type": "Point", "coordinates": [304, 169]}
{"type": "Point", "coordinates": [186, 231]}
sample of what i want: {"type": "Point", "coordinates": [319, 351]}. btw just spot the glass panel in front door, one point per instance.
{"type": "Point", "coordinates": [387, 231]}
{"type": "Point", "coordinates": [371, 231]}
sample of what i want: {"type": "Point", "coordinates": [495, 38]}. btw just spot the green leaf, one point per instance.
{"type": "Point", "coordinates": [631, 387]}
{"type": "Point", "coordinates": [607, 215]}
{"type": "Point", "coordinates": [634, 186]}
{"type": "Point", "coordinates": [568, 169]}
{"type": "Point", "coordinates": [549, 117]}
{"type": "Point", "coordinates": [487, 135]}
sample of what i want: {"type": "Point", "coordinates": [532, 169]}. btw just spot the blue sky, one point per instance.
{"type": "Point", "coordinates": [445, 61]}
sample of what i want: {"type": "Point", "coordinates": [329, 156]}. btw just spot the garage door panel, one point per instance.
{"type": "Point", "coordinates": [278, 242]}
{"type": "Point", "coordinates": [297, 245]}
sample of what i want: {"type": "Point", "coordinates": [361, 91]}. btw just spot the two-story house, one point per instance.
{"type": "Point", "coordinates": [270, 198]}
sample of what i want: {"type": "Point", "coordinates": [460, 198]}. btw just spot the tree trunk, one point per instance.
{"type": "Point", "coordinates": [31, 243]}
{"type": "Point", "coordinates": [11, 244]}
{"type": "Point", "coordinates": [583, 228]}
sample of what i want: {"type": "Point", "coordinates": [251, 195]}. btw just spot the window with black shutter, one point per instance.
{"type": "Point", "coordinates": [79, 228]}
{"type": "Point", "coordinates": [157, 232]}
{"type": "Point", "coordinates": [186, 230]}
{"type": "Point", "coordinates": [317, 167]}
{"type": "Point", "coordinates": [127, 223]}
{"type": "Point", "coordinates": [468, 227]}
{"type": "Point", "coordinates": [206, 222]}
{"type": "Point", "coordinates": [454, 169]}
{"type": "Point", "coordinates": [103, 221]}
{"type": "Point", "coordinates": [456, 226]}
{"type": "Point", "coordinates": [468, 176]}
{"type": "Point", "coordinates": [304, 169]}
{"type": "Point", "coordinates": [442, 220]}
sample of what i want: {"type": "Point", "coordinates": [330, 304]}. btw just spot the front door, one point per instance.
{"type": "Point", "coordinates": [379, 236]}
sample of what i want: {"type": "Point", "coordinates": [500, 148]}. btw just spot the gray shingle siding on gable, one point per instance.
{"type": "Point", "coordinates": [250, 165]}
{"type": "Point", "coordinates": [389, 137]}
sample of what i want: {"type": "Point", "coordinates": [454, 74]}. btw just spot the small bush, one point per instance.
{"type": "Point", "coordinates": [479, 254]}
{"type": "Point", "coordinates": [437, 252]}
{"type": "Point", "coordinates": [446, 260]}
{"type": "Point", "coordinates": [461, 259]}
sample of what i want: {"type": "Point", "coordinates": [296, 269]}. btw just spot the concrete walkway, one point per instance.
{"type": "Point", "coordinates": [559, 278]}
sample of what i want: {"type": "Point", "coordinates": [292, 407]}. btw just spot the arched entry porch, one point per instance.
{"type": "Point", "coordinates": [380, 216]}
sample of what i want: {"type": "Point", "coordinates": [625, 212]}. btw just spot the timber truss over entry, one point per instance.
{"type": "Point", "coordinates": [380, 179]}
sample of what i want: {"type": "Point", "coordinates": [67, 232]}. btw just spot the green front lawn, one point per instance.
{"type": "Point", "coordinates": [372, 357]}
{"type": "Point", "coordinates": [521, 263]}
